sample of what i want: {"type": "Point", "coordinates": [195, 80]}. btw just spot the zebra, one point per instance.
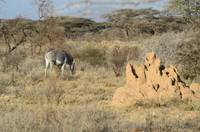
{"type": "Point", "coordinates": [60, 58]}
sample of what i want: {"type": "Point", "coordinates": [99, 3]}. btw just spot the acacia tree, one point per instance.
{"type": "Point", "coordinates": [187, 53]}
{"type": "Point", "coordinates": [189, 9]}
{"type": "Point", "coordinates": [15, 33]}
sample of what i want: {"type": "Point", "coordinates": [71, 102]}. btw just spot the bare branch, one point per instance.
{"type": "Point", "coordinates": [45, 8]}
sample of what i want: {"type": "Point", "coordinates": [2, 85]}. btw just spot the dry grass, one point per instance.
{"type": "Point", "coordinates": [29, 102]}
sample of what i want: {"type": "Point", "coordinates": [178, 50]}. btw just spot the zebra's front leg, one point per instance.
{"type": "Point", "coordinates": [63, 69]}
{"type": "Point", "coordinates": [46, 68]}
{"type": "Point", "coordinates": [45, 72]}
{"type": "Point", "coordinates": [51, 66]}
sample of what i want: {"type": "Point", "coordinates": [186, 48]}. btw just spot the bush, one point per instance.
{"type": "Point", "coordinates": [93, 56]}
{"type": "Point", "coordinates": [120, 56]}
{"type": "Point", "coordinates": [11, 61]}
{"type": "Point", "coordinates": [189, 56]}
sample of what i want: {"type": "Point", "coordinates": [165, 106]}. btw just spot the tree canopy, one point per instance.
{"type": "Point", "coordinates": [189, 9]}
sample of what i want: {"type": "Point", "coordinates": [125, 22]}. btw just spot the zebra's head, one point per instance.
{"type": "Point", "coordinates": [72, 67]}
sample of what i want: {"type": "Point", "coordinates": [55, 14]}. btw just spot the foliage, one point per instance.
{"type": "Point", "coordinates": [125, 15]}
{"type": "Point", "coordinates": [94, 56]}
{"type": "Point", "coordinates": [78, 27]}
{"type": "Point", "coordinates": [189, 9]}
{"type": "Point", "coordinates": [144, 22]}
{"type": "Point", "coordinates": [15, 33]}
{"type": "Point", "coordinates": [189, 56]}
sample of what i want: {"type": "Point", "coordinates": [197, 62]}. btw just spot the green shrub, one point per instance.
{"type": "Point", "coordinates": [189, 56]}
{"type": "Point", "coordinates": [93, 56]}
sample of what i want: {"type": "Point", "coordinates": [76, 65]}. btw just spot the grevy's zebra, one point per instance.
{"type": "Point", "coordinates": [59, 58]}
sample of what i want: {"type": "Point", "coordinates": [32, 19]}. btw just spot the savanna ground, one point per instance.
{"type": "Point", "coordinates": [31, 102]}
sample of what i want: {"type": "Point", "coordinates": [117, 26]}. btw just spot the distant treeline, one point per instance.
{"type": "Point", "coordinates": [125, 24]}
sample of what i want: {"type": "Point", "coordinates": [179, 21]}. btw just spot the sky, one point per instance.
{"type": "Point", "coordinates": [10, 9]}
